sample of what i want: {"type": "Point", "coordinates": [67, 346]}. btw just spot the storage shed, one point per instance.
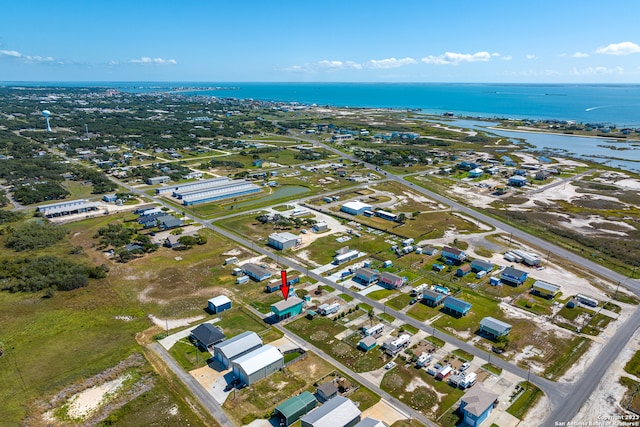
{"type": "Point", "coordinates": [292, 409]}
{"type": "Point", "coordinates": [258, 364]}
{"type": "Point", "coordinates": [256, 272]}
{"type": "Point", "coordinates": [219, 304]}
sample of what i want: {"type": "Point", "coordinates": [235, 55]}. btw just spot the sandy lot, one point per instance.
{"type": "Point", "coordinates": [383, 411]}
{"type": "Point", "coordinates": [87, 401]}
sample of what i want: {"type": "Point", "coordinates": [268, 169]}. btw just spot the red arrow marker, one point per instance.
{"type": "Point", "coordinates": [285, 286]}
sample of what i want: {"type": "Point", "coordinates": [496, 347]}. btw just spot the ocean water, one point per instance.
{"type": "Point", "coordinates": [611, 104]}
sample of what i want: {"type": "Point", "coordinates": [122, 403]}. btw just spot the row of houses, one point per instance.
{"type": "Point", "coordinates": [366, 276]}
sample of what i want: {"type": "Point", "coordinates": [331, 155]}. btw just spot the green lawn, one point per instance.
{"type": "Point", "coordinates": [463, 355]}
{"type": "Point", "coordinates": [346, 297]}
{"type": "Point", "coordinates": [399, 302]}
{"type": "Point", "coordinates": [381, 294]}
{"type": "Point", "coordinates": [492, 368]}
{"type": "Point", "coordinates": [421, 312]}
{"type": "Point", "coordinates": [525, 401]}
{"type": "Point", "coordinates": [189, 356]}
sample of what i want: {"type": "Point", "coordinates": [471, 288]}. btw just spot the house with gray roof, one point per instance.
{"type": "Point", "coordinates": [493, 327]}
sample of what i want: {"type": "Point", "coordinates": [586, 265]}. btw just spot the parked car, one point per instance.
{"type": "Point", "coordinates": [413, 301]}
{"type": "Point", "coordinates": [390, 365]}
{"type": "Point", "coordinates": [465, 366]}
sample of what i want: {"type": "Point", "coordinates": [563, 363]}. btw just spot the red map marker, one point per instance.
{"type": "Point", "coordinates": [285, 286]}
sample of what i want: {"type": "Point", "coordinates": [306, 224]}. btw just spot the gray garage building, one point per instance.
{"type": "Point", "coordinates": [236, 347]}
{"type": "Point", "coordinates": [258, 364]}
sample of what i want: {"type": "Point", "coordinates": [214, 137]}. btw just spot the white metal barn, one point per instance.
{"type": "Point", "coordinates": [258, 364]}
{"type": "Point", "coordinates": [236, 347]}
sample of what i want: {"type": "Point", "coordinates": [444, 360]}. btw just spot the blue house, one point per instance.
{"type": "Point", "coordinates": [463, 270]}
{"type": "Point", "coordinates": [480, 265]}
{"type": "Point", "coordinates": [431, 298]}
{"type": "Point", "coordinates": [256, 272]}
{"type": "Point", "coordinates": [476, 173]}
{"type": "Point", "coordinates": [513, 276]}
{"type": "Point", "coordinates": [110, 198]}
{"type": "Point", "coordinates": [517, 181]}
{"type": "Point", "coordinates": [477, 404]}
{"type": "Point", "coordinates": [456, 306]}
{"type": "Point", "coordinates": [453, 255]}
{"type": "Point", "coordinates": [366, 276]}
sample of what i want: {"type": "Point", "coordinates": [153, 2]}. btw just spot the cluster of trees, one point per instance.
{"type": "Point", "coordinates": [310, 155]}
{"type": "Point", "coordinates": [99, 181]}
{"type": "Point", "coordinates": [216, 163]}
{"type": "Point", "coordinates": [34, 235]}
{"type": "Point", "coordinates": [282, 222]}
{"type": "Point", "coordinates": [9, 216]}
{"type": "Point", "coordinates": [394, 156]}
{"type": "Point", "coordinates": [46, 272]}
{"type": "Point", "coordinates": [117, 236]}
{"type": "Point", "coordinates": [187, 242]}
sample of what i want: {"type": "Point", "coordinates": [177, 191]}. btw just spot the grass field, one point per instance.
{"type": "Point", "coordinates": [80, 333]}
{"type": "Point", "coordinates": [399, 302]}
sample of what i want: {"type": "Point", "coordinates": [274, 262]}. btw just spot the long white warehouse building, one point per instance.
{"type": "Point", "coordinates": [192, 185]}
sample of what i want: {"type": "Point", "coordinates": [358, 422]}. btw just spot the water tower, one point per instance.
{"type": "Point", "coordinates": [46, 114]}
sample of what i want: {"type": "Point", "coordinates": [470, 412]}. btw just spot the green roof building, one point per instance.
{"type": "Point", "coordinates": [292, 409]}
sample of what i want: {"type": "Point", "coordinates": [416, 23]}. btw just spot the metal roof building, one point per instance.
{"type": "Point", "coordinates": [219, 304]}
{"type": "Point", "coordinates": [370, 422]}
{"type": "Point", "coordinates": [258, 364]}
{"type": "Point", "coordinates": [545, 289]}
{"type": "Point", "coordinates": [287, 308]}
{"type": "Point", "coordinates": [67, 208]}
{"type": "Point", "coordinates": [456, 306]}
{"type": "Point", "coordinates": [337, 412]}
{"type": "Point", "coordinates": [494, 327]}
{"type": "Point", "coordinates": [236, 347]}
{"type": "Point", "coordinates": [355, 208]}
{"type": "Point", "coordinates": [283, 240]}
{"type": "Point", "coordinates": [292, 409]}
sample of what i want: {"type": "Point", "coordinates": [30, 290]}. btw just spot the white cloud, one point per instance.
{"type": "Point", "coordinates": [596, 71]}
{"type": "Point", "coordinates": [13, 53]}
{"type": "Point", "coordinates": [26, 58]}
{"type": "Point", "coordinates": [454, 58]}
{"type": "Point", "coordinates": [507, 58]}
{"type": "Point", "coordinates": [624, 48]}
{"type": "Point", "coordinates": [580, 55]}
{"type": "Point", "coordinates": [337, 65]}
{"type": "Point", "coordinates": [157, 61]}
{"type": "Point", "coordinates": [530, 56]}
{"type": "Point", "coordinates": [390, 63]}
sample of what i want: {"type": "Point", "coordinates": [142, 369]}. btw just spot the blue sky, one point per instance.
{"type": "Point", "coordinates": [560, 41]}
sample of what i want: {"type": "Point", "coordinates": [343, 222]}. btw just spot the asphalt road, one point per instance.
{"type": "Point", "coordinates": [194, 386]}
